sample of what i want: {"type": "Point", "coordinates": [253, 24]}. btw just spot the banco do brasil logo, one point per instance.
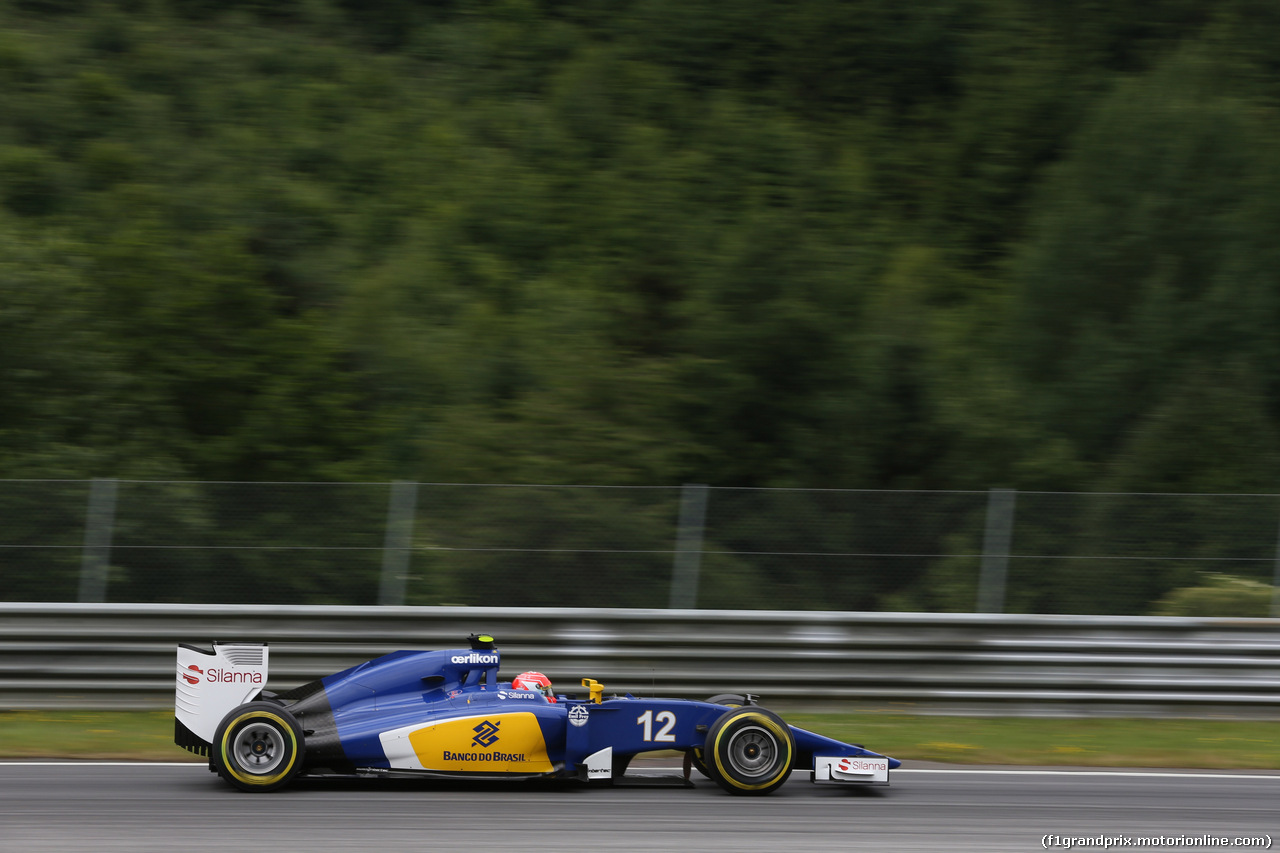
{"type": "Point", "coordinates": [486, 734]}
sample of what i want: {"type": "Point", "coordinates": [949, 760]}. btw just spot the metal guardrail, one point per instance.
{"type": "Point", "coordinates": [121, 656]}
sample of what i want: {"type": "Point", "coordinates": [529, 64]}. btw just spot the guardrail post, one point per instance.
{"type": "Point", "coordinates": [996, 542]}
{"type": "Point", "coordinates": [397, 547]}
{"type": "Point", "coordinates": [688, 559]}
{"type": "Point", "coordinates": [96, 556]}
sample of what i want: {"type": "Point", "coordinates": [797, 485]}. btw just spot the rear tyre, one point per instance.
{"type": "Point", "coordinates": [749, 751]}
{"type": "Point", "coordinates": [258, 747]}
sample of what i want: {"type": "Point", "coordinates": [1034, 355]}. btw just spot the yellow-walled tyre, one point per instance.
{"type": "Point", "coordinates": [749, 751]}
{"type": "Point", "coordinates": [258, 747]}
{"type": "Point", "coordinates": [733, 700]}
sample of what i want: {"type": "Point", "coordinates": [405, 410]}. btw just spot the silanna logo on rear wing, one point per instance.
{"type": "Point", "coordinates": [219, 676]}
{"type": "Point", "coordinates": [211, 683]}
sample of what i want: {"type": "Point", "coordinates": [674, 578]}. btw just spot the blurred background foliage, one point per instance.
{"type": "Point", "coordinates": [856, 243]}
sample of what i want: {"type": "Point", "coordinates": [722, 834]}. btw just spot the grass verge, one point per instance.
{"type": "Point", "coordinates": [136, 735]}
{"type": "Point", "coordinates": [1092, 742]}
{"type": "Point", "coordinates": [1219, 744]}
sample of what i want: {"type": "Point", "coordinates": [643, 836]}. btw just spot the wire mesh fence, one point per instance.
{"type": "Point", "coordinates": [583, 546]}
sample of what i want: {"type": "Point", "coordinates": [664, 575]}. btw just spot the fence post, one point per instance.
{"type": "Point", "coordinates": [688, 558]}
{"type": "Point", "coordinates": [1275, 584]}
{"type": "Point", "coordinates": [996, 542]}
{"type": "Point", "coordinates": [96, 556]}
{"type": "Point", "coordinates": [397, 547]}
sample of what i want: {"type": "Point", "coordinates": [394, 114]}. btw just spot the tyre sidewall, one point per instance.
{"type": "Point", "coordinates": [733, 700]}
{"type": "Point", "coordinates": [286, 729]}
{"type": "Point", "coordinates": [720, 739]}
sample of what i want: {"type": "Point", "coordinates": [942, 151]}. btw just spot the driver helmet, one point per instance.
{"type": "Point", "coordinates": [534, 681]}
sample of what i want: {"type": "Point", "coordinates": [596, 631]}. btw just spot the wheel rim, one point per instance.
{"type": "Point", "coordinates": [259, 748]}
{"type": "Point", "coordinates": [753, 752]}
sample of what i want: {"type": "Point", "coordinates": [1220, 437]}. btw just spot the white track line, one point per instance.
{"type": "Point", "coordinates": [1143, 773]}
{"type": "Point", "coordinates": [86, 763]}
{"type": "Point", "coordinates": [1157, 774]}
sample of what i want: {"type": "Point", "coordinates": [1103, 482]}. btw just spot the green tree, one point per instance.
{"type": "Point", "coordinates": [1147, 256]}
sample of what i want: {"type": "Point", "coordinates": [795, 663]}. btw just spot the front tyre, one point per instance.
{"type": "Point", "coordinates": [749, 751]}
{"type": "Point", "coordinates": [258, 747]}
{"type": "Point", "coordinates": [733, 700]}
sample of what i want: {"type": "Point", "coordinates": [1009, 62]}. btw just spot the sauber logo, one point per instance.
{"type": "Point", "coordinates": [188, 677]}
{"type": "Point", "coordinates": [486, 734]}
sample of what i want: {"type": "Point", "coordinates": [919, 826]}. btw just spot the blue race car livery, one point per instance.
{"type": "Point", "coordinates": [446, 713]}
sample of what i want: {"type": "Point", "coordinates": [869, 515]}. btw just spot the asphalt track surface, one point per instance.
{"type": "Point", "coordinates": [168, 807]}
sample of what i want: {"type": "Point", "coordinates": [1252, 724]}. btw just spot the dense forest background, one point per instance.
{"type": "Point", "coordinates": [948, 244]}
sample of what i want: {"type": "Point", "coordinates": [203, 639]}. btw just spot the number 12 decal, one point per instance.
{"type": "Point", "coordinates": [666, 719]}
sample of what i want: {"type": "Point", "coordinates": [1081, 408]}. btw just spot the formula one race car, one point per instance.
{"type": "Point", "coordinates": [445, 713]}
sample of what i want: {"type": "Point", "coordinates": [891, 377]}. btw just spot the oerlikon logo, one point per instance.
{"type": "Point", "coordinates": [189, 677]}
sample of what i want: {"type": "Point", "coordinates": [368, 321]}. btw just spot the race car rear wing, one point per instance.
{"type": "Point", "coordinates": [210, 684]}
